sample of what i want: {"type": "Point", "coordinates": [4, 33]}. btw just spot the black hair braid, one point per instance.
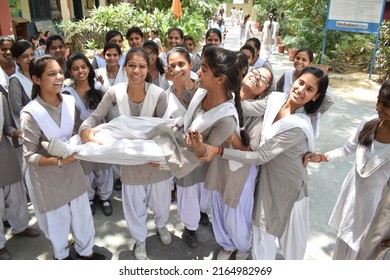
{"type": "Point", "coordinates": [94, 95]}
{"type": "Point", "coordinates": [237, 98]}
{"type": "Point", "coordinates": [243, 133]}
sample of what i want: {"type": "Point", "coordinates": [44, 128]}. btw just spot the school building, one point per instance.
{"type": "Point", "coordinates": [24, 18]}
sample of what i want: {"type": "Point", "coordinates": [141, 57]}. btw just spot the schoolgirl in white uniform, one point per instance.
{"type": "Point", "coordinates": [57, 186]}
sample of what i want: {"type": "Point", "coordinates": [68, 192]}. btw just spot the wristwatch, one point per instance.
{"type": "Point", "coordinates": [59, 164]}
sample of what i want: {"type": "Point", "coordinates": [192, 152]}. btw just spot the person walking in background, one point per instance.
{"type": "Point", "coordinates": [233, 16]}
{"type": "Point", "coordinates": [267, 36]}
{"type": "Point", "coordinates": [221, 11]}
{"type": "Point", "coordinates": [223, 29]}
{"type": "Point", "coordinates": [276, 33]}
{"type": "Point", "coordinates": [240, 15]}
{"type": "Point", "coordinates": [246, 29]}
{"type": "Point", "coordinates": [363, 188]}
{"type": "Point", "coordinates": [213, 22]}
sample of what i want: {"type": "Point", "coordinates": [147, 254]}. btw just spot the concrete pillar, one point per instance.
{"type": "Point", "coordinates": [5, 19]}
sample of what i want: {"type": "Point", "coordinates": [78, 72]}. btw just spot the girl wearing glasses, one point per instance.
{"type": "Point", "coordinates": [281, 201]}
{"type": "Point", "coordinates": [233, 191]}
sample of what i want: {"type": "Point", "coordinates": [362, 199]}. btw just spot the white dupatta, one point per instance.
{"type": "Point", "coordinates": [47, 124]}
{"type": "Point", "coordinates": [153, 93]}
{"type": "Point", "coordinates": [27, 84]}
{"type": "Point", "coordinates": [84, 112]}
{"type": "Point", "coordinates": [275, 101]}
{"type": "Point", "coordinates": [204, 121]}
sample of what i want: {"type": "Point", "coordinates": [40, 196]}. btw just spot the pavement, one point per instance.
{"type": "Point", "coordinates": [355, 100]}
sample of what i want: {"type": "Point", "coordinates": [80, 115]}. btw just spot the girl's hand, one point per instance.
{"type": "Point", "coordinates": [100, 79]}
{"type": "Point", "coordinates": [311, 157]}
{"type": "Point", "coordinates": [17, 134]}
{"type": "Point", "coordinates": [88, 135]}
{"type": "Point", "coordinates": [202, 151]}
{"type": "Point", "coordinates": [194, 140]}
{"type": "Point", "coordinates": [70, 159]}
{"type": "Point", "coordinates": [154, 164]}
{"type": "Point", "coordinates": [385, 243]}
{"type": "Point", "coordinates": [172, 75]}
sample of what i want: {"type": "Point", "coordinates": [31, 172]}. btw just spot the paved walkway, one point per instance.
{"type": "Point", "coordinates": [113, 238]}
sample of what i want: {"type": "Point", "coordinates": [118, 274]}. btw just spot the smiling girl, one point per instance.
{"type": "Point", "coordinates": [366, 185]}
{"type": "Point", "coordinates": [20, 83]}
{"type": "Point", "coordinates": [57, 186]}
{"type": "Point", "coordinates": [87, 97]}
{"type": "Point", "coordinates": [281, 202]}
{"type": "Point", "coordinates": [143, 185]}
{"type": "Point", "coordinates": [175, 36]}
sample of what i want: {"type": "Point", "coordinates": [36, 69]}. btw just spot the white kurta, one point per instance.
{"type": "Point", "coordinates": [362, 188]}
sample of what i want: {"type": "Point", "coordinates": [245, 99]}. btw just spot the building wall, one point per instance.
{"type": "Point", "coordinates": [386, 16]}
{"type": "Point", "coordinates": [5, 19]}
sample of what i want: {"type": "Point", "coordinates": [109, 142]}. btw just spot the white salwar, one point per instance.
{"type": "Point", "coordinates": [76, 214]}
{"type": "Point", "coordinates": [100, 182]}
{"type": "Point", "coordinates": [232, 227]}
{"type": "Point", "coordinates": [56, 224]}
{"type": "Point", "coordinates": [13, 206]}
{"type": "Point", "coordinates": [293, 241]}
{"type": "Point", "coordinates": [190, 202]}
{"type": "Point", "coordinates": [361, 192]}
{"type": "Point", "coordinates": [136, 199]}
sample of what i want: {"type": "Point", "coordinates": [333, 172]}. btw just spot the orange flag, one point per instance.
{"type": "Point", "coordinates": [176, 9]}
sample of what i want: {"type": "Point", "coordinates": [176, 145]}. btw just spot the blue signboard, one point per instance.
{"type": "Point", "coordinates": [361, 16]}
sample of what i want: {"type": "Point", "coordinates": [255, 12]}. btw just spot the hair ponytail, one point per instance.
{"type": "Point", "coordinates": [366, 135]}
{"type": "Point", "coordinates": [243, 133]}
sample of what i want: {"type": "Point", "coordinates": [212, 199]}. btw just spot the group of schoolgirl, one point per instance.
{"type": "Point", "coordinates": [150, 83]}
